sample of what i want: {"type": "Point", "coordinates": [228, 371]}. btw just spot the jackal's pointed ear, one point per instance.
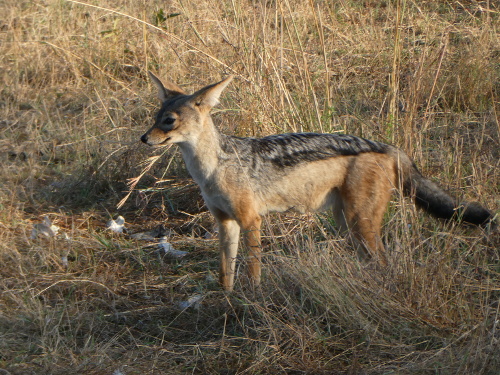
{"type": "Point", "coordinates": [209, 95]}
{"type": "Point", "coordinates": [166, 91]}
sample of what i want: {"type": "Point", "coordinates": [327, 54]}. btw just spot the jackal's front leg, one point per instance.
{"type": "Point", "coordinates": [229, 233]}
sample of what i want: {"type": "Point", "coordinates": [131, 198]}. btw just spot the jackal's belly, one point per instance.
{"type": "Point", "coordinates": [309, 187]}
{"type": "Point", "coordinates": [281, 203]}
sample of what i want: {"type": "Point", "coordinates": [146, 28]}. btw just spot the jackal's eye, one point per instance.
{"type": "Point", "coordinates": [169, 120]}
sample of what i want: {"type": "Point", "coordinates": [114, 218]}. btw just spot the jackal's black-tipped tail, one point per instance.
{"type": "Point", "coordinates": [438, 203]}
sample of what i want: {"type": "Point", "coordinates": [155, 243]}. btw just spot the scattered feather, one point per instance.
{"type": "Point", "coordinates": [169, 249]}
{"type": "Point", "coordinates": [46, 228]}
{"type": "Point", "coordinates": [194, 301]}
{"type": "Point", "coordinates": [117, 226]}
{"type": "Point", "coordinates": [210, 278]}
{"type": "Point", "coordinates": [64, 261]}
{"type": "Point", "coordinates": [211, 235]}
{"type": "Point", "coordinates": [151, 235]}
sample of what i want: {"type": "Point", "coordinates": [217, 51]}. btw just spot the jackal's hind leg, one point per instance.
{"type": "Point", "coordinates": [365, 196]}
{"type": "Point", "coordinates": [364, 222]}
{"type": "Point", "coordinates": [250, 225]}
{"type": "Point", "coordinates": [370, 245]}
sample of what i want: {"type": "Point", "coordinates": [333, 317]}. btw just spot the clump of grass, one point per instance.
{"type": "Point", "coordinates": [74, 103]}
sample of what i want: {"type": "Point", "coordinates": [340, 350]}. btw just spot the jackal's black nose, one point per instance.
{"type": "Point", "coordinates": [144, 138]}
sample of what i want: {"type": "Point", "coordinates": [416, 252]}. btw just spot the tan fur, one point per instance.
{"type": "Point", "coordinates": [357, 185]}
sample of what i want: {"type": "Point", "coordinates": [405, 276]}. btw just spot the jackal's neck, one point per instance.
{"type": "Point", "coordinates": [200, 153]}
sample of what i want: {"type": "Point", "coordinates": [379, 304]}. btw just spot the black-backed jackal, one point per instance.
{"type": "Point", "coordinates": [244, 178]}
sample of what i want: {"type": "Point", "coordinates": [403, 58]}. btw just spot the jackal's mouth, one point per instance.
{"type": "Point", "coordinates": [163, 143]}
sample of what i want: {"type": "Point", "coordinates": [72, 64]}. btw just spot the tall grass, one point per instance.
{"type": "Point", "coordinates": [74, 101]}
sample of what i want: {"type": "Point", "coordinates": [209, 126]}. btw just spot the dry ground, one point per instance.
{"type": "Point", "coordinates": [74, 100]}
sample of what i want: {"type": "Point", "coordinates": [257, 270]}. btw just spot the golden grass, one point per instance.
{"type": "Point", "coordinates": [74, 101]}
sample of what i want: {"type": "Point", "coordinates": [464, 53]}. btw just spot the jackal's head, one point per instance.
{"type": "Point", "coordinates": [182, 117]}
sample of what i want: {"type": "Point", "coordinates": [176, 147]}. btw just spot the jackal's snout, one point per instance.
{"type": "Point", "coordinates": [156, 137]}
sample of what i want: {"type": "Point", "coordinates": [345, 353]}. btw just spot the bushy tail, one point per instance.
{"type": "Point", "coordinates": [437, 202]}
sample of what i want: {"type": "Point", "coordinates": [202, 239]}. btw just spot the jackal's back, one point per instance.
{"type": "Point", "coordinates": [285, 151]}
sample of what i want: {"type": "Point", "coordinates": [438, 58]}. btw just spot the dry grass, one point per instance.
{"type": "Point", "coordinates": [423, 75]}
